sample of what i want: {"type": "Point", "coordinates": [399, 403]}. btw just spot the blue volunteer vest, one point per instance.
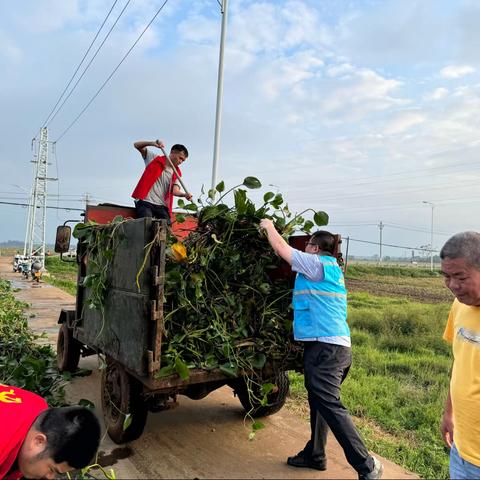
{"type": "Point", "coordinates": [320, 307]}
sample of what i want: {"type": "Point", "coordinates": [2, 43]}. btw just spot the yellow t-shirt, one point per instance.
{"type": "Point", "coordinates": [463, 331]}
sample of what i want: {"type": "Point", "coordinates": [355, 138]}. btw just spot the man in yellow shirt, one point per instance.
{"type": "Point", "coordinates": [461, 419]}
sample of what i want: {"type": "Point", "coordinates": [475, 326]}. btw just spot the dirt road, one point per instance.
{"type": "Point", "coordinates": [201, 438]}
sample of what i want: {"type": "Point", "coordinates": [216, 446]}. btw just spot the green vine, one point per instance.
{"type": "Point", "coordinates": [101, 242]}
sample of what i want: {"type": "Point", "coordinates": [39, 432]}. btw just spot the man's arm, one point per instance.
{"type": "Point", "coordinates": [142, 145]}
{"type": "Point", "coordinates": [279, 245]}
{"type": "Point", "coordinates": [446, 426]}
{"type": "Point", "coordinates": [178, 193]}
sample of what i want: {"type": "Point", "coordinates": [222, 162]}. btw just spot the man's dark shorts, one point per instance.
{"type": "Point", "coordinates": [147, 209]}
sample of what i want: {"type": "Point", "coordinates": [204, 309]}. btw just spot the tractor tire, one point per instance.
{"type": "Point", "coordinates": [122, 396]}
{"type": "Point", "coordinates": [68, 350]}
{"type": "Point", "coordinates": [276, 399]}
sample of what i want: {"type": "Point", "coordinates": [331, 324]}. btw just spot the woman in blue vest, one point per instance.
{"type": "Point", "coordinates": [320, 322]}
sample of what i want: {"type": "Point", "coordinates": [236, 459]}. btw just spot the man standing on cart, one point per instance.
{"type": "Point", "coordinates": [159, 182]}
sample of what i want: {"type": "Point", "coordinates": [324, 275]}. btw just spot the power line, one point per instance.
{"type": "Point", "coordinates": [394, 246]}
{"type": "Point", "coordinates": [113, 73]}
{"type": "Point", "coordinates": [53, 208]}
{"type": "Point", "coordinates": [81, 62]}
{"type": "Point", "coordinates": [91, 61]}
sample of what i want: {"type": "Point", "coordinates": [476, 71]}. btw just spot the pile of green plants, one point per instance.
{"type": "Point", "coordinates": [225, 308]}
{"type": "Point", "coordinates": [24, 362]}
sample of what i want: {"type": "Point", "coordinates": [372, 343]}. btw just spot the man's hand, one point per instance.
{"type": "Point", "coordinates": [279, 245]}
{"type": "Point", "coordinates": [188, 196]}
{"type": "Point", "coordinates": [446, 427]}
{"type": "Point", "coordinates": [267, 224]}
{"type": "Point", "coordinates": [159, 144]}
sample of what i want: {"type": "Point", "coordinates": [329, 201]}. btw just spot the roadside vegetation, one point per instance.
{"type": "Point", "coordinates": [61, 274]}
{"type": "Point", "coordinates": [25, 361]}
{"type": "Point", "coordinates": [398, 383]}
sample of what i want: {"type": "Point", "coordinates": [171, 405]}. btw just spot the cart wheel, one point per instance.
{"type": "Point", "coordinates": [122, 396]}
{"type": "Point", "coordinates": [276, 399]}
{"type": "Point", "coordinates": [68, 350]}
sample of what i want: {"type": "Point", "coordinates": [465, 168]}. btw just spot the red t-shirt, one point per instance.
{"type": "Point", "coordinates": [18, 410]}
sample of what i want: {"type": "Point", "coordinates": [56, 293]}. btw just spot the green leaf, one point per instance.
{"type": "Point", "coordinates": [252, 182]}
{"type": "Point", "coordinates": [265, 288]}
{"type": "Point", "coordinates": [277, 201]}
{"type": "Point", "coordinates": [165, 371]}
{"type": "Point", "coordinates": [259, 361]}
{"type": "Point", "coordinates": [308, 225]}
{"type": "Point", "coordinates": [268, 388]}
{"type": "Point", "coordinates": [240, 197]}
{"type": "Point", "coordinates": [179, 218]}
{"type": "Point", "coordinates": [80, 230]}
{"type": "Point", "coordinates": [83, 402]}
{"type": "Point", "coordinates": [220, 187]}
{"type": "Point", "coordinates": [208, 213]}
{"type": "Point", "coordinates": [181, 203]}
{"type": "Point", "coordinates": [256, 425]}
{"type": "Point", "coordinates": [229, 369]}
{"type": "Point", "coordinates": [127, 421]}
{"type": "Point", "coordinates": [181, 368]}
{"type": "Point", "coordinates": [88, 281]}
{"type": "Point", "coordinates": [268, 196]}
{"type": "Point", "coordinates": [191, 207]}
{"type": "Point", "coordinates": [320, 218]}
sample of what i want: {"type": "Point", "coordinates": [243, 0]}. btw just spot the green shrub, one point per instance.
{"type": "Point", "coordinates": [24, 362]}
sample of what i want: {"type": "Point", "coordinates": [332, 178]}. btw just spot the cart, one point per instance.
{"type": "Point", "coordinates": [129, 334]}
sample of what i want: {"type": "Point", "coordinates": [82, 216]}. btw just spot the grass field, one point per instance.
{"type": "Point", "coordinates": [399, 379]}
{"type": "Point", "coordinates": [61, 274]}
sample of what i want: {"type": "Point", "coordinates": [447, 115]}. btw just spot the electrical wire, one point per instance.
{"type": "Point", "coordinates": [91, 60]}
{"type": "Point", "coordinates": [394, 246]}
{"type": "Point", "coordinates": [53, 208]}
{"type": "Point", "coordinates": [111, 75]}
{"type": "Point", "coordinates": [81, 62]}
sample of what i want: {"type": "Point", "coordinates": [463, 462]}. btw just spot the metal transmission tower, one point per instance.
{"type": "Point", "coordinates": [36, 224]}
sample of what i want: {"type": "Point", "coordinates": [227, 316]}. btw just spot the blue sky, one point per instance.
{"type": "Point", "coordinates": [360, 108]}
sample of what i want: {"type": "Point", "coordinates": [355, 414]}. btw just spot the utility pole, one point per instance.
{"type": "Point", "coordinates": [380, 226]}
{"type": "Point", "coordinates": [37, 215]}
{"type": "Point", "coordinates": [218, 113]}
{"type": "Point", "coordinates": [431, 234]}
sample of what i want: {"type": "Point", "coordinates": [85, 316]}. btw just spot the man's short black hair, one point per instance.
{"type": "Point", "coordinates": [325, 241]}
{"type": "Point", "coordinates": [180, 148]}
{"type": "Point", "coordinates": [73, 435]}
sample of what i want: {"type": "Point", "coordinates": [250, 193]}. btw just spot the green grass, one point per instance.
{"type": "Point", "coordinates": [398, 383]}
{"type": "Point", "coordinates": [62, 274]}
{"type": "Point", "coordinates": [358, 270]}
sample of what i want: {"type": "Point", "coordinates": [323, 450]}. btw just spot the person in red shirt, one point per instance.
{"type": "Point", "coordinates": [41, 442]}
{"type": "Point", "coordinates": [159, 182]}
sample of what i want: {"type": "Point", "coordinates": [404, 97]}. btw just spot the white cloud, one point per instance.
{"type": "Point", "coordinates": [403, 121]}
{"type": "Point", "coordinates": [361, 93]}
{"type": "Point", "coordinates": [437, 94]}
{"type": "Point", "coordinates": [340, 70]}
{"type": "Point", "coordinates": [456, 71]}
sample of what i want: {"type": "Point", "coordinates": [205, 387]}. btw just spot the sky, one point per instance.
{"type": "Point", "coordinates": [365, 109]}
